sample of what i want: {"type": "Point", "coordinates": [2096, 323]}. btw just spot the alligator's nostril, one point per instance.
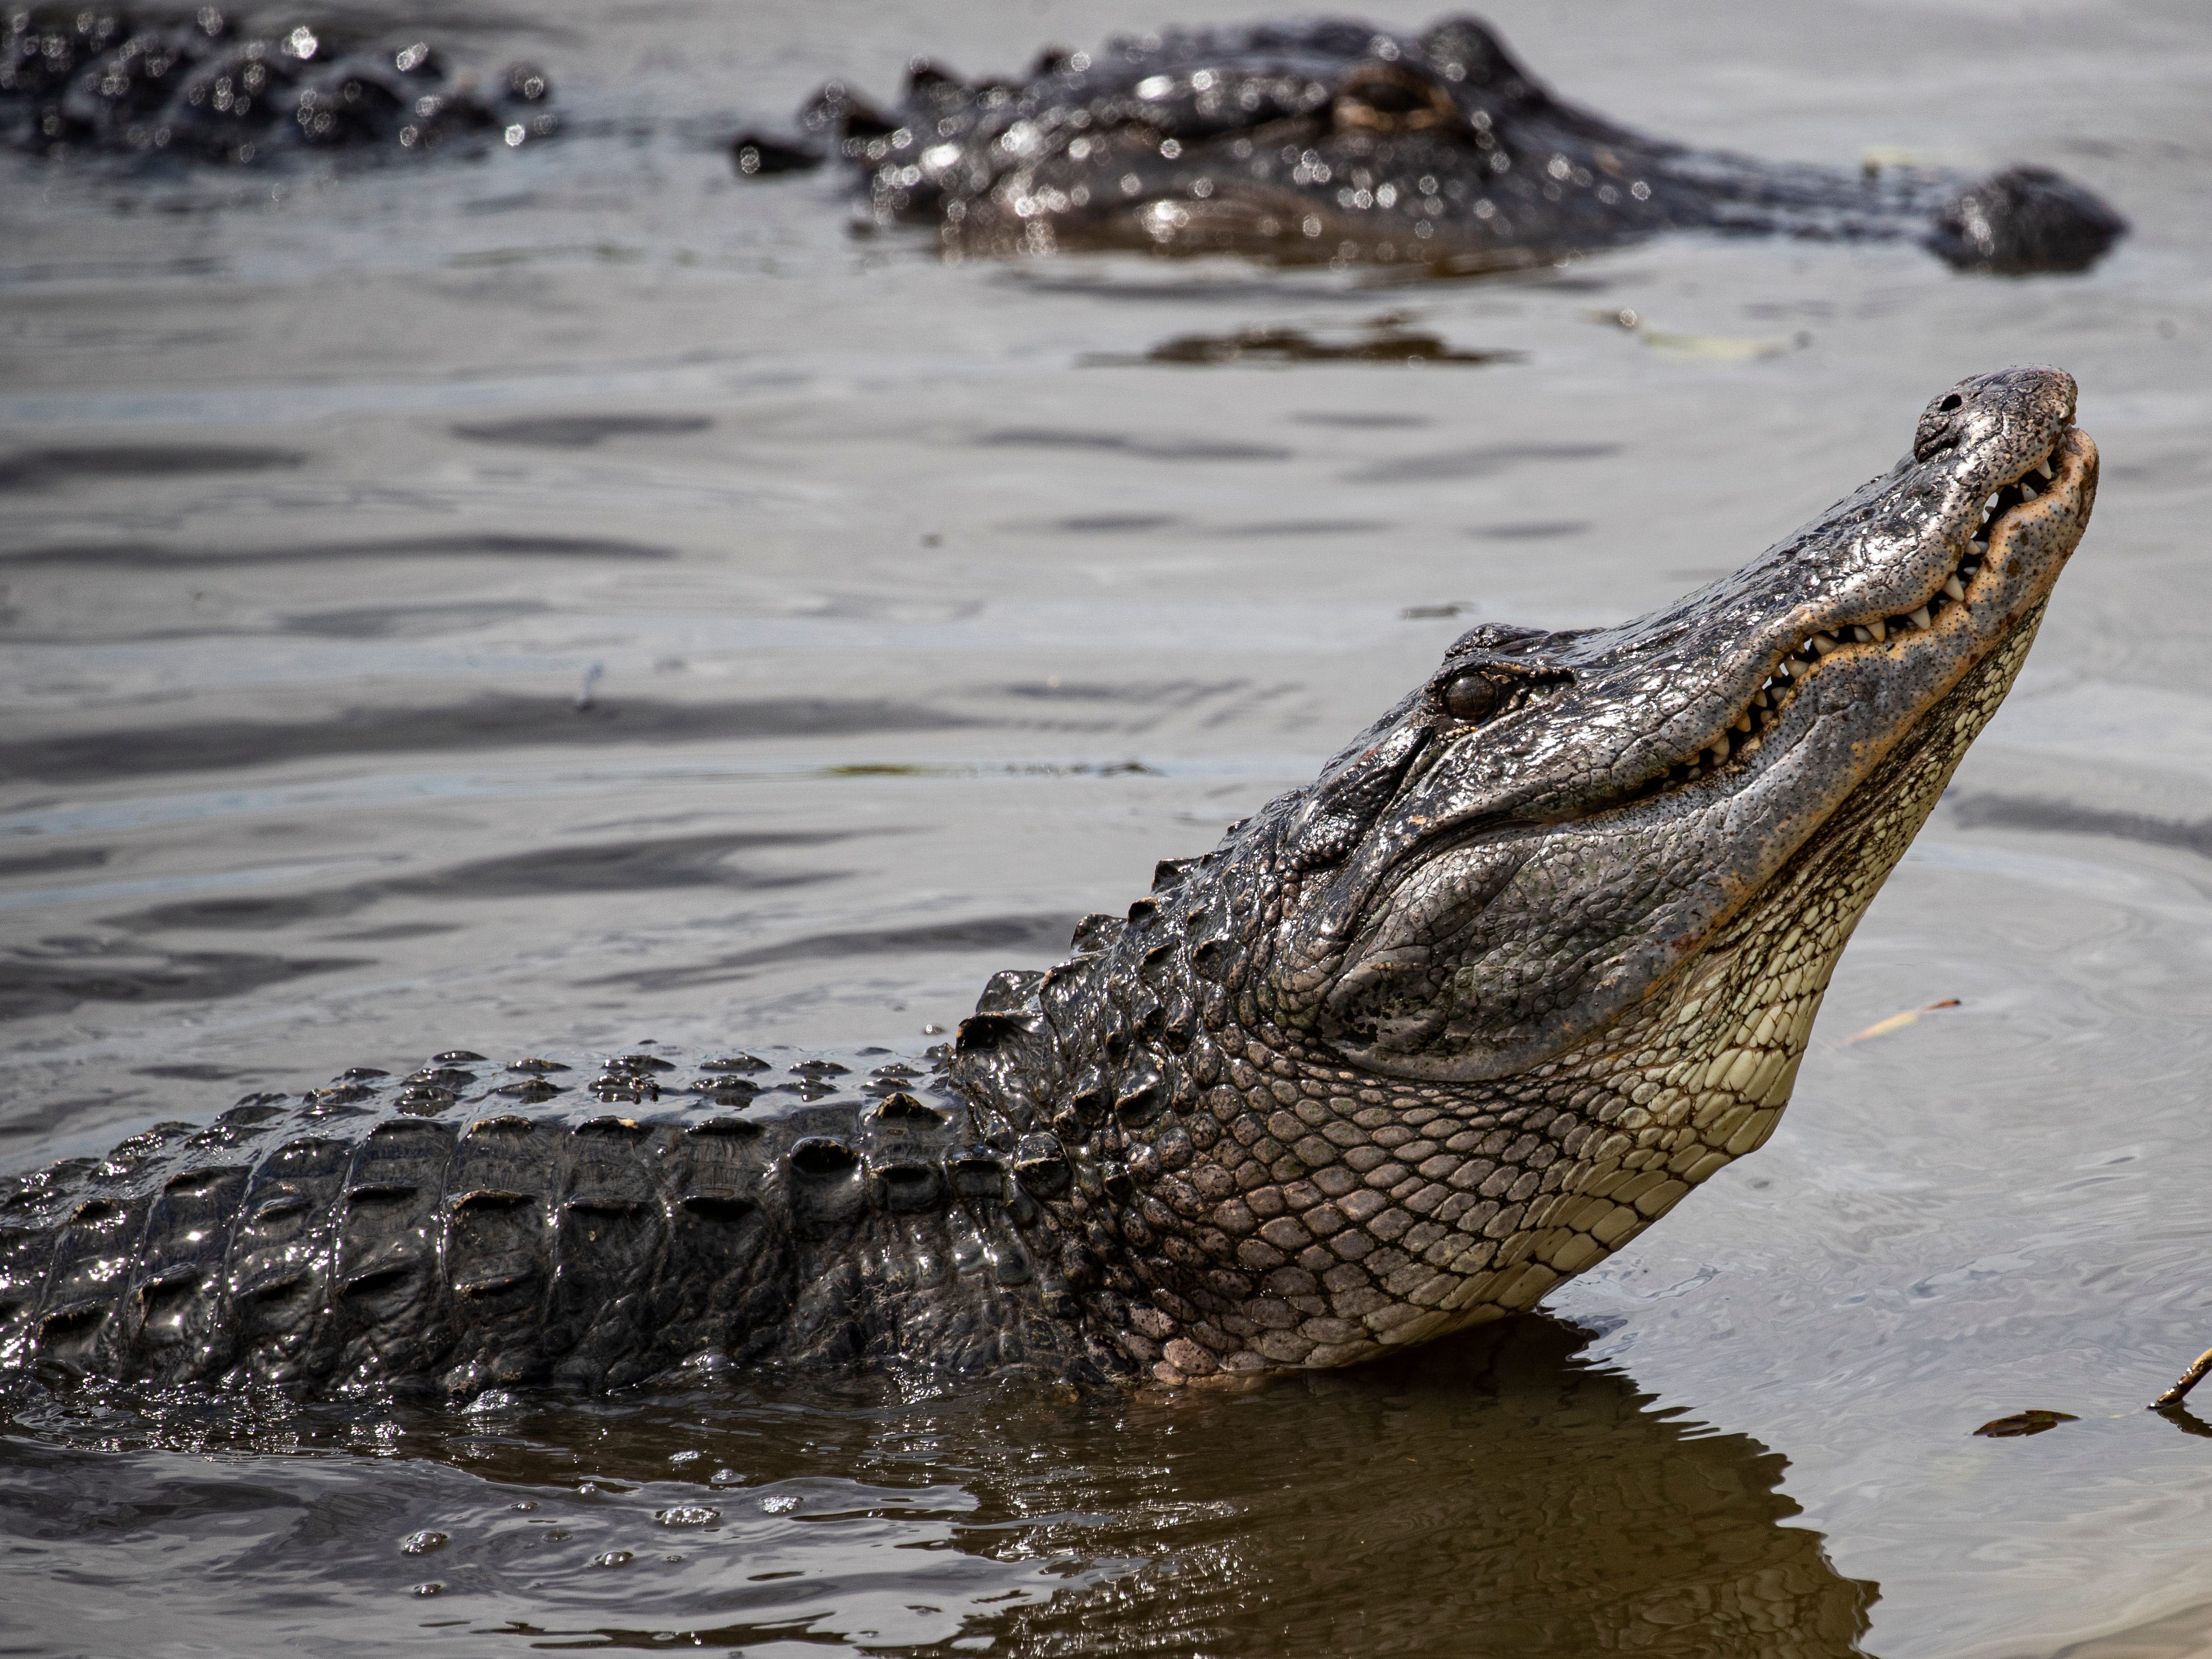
{"type": "Point", "coordinates": [1950, 403]}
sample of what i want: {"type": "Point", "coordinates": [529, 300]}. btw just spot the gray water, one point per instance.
{"type": "Point", "coordinates": [920, 615]}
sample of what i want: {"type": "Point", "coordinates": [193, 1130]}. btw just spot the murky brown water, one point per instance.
{"type": "Point", "coordinates": [929, 605]}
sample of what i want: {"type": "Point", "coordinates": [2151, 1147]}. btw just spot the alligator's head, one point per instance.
{"type": "Point", "coordinates": [1541, 949]}
{"type": "Point", "coordinates": [1556, 826]}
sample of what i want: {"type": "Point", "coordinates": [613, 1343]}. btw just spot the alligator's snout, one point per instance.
{"type": "Point", "coordinates": [2024, 220]}
{"type": "Point", "coordinates": [1970, 532]}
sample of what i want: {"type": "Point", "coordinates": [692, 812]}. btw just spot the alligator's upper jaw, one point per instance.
{"type": "Point", "coordinates": [1520, 881]}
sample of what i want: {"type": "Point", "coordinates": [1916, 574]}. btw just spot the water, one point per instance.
{"type": "Point", "coordinates": [920, 611]}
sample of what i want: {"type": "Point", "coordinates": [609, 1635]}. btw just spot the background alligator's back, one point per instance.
{"type": "Point", "coordinates": [921, 631]}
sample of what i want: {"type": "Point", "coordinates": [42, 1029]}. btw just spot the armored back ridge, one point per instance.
{"type": "Point", "coordinates": [1535, 955]}
{"type": "Point", "coordinates": [165, 83]}
{"type": "Point", "coordinates": [454, 1233]}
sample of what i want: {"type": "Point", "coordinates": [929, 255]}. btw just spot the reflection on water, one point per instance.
{"type": "Point", "coordinates": [1386, 339]}
{"type": "Point", "coordinates": [1492, 1494]}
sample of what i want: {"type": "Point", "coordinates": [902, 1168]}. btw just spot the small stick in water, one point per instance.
{"type": "Point", "coordinates": [2198, 1369]}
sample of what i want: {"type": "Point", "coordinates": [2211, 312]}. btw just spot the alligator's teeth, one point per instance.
{"type": "Point", "coordinates": [1718, 752]}
{"type": "Point", "coordinates": [1920, 617]}
{"type": "Point", "coordinates": [1742, 722]}
{"type": "Point", "coordinates": [1824, 643]}
{"type": "Point", "coordinates": [1989, 507]}
{"type": "Point", "coordinates": [1751, 746]}
{"type": "Point", "coordinates": [2044, 467]}
{"type": "Point", "coordinates": [1954, 588]}
{"type": "Point", "coordinates": [2027, 490]}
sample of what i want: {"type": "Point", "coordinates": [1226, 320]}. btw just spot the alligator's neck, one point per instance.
{"type": "Point", "coordinates": [1241, 1200]}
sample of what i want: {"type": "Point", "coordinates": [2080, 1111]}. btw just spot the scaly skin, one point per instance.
{"type": "Point", "coordinates": [180, 82]}
{"type": "Point", "coordinates": [449, 1233]}
{"type": "Point", "coordinates": [1334, 140]}
{"type": "Point", "coordinates": [1536, 955]}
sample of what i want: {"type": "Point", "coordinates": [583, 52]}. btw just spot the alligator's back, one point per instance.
{"type": "Point", "coordinates": [465, 1228]}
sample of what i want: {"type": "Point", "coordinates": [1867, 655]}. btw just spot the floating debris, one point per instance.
{"type": "Point", "coordinates": [1898, 1021]}
{"type": "Point", "coordinates": [1712, 347]}
{"type": "Point", "coordinates": [2024, 1423]}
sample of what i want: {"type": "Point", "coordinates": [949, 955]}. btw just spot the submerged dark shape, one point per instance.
{"type": "Point", "coordinates": [1338, 141]}
{"type": "Point", "coordinates": [1537, 954]}
{"type": "Point", "coordinates": [101, 80]}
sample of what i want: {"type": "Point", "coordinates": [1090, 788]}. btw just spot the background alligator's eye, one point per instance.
{"type": "Point", "coordinates": [1471, 697]}
{"type": "Point", "coordinates": [1385, 97]}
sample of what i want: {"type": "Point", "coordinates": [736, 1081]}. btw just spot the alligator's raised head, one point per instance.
{"type": "Point", "coordinates": [1556, 824]}
{"type": "Point", "coordinates": [1541, 949]}
{"type": "Point", "coordinates": [1335, 140]}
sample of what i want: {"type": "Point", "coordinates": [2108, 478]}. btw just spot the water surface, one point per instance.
{"type": "Point", "coordinates": [917, 609]}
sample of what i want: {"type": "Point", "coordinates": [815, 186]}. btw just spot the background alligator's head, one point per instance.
{"type": "Point", "coordinates": [1542, 949]}
{"type": "Point", "coordinates": [1335, 140]}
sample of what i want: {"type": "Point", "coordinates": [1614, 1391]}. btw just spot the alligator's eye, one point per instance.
{"type": "Point", "coordinates": [1472, 697]}
{"type": "Point", "coordinates": [1382, 97]}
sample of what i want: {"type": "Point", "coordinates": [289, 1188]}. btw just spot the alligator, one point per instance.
{"type": "Point", "coordinates": [1538, 953]}
{"type": "Point", "coordinates": [1337, 141]}
{"type": "Point", "coordinates": [188, 85]}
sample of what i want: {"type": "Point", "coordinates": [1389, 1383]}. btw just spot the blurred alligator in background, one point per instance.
{"type": "Point", "coordinates": [1336, 141]}
{"type": "Point", "coordinates": [97, 80]}
{"type": "Point", "coordinates": [1536, 955]}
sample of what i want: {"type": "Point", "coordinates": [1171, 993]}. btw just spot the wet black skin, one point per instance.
{"type": "Point", "coordinates": [1532, 957]}
{"type": "Point", "coordinates": [1336, 141]}
{"type": "Point", "coordinates": [190, 84]}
